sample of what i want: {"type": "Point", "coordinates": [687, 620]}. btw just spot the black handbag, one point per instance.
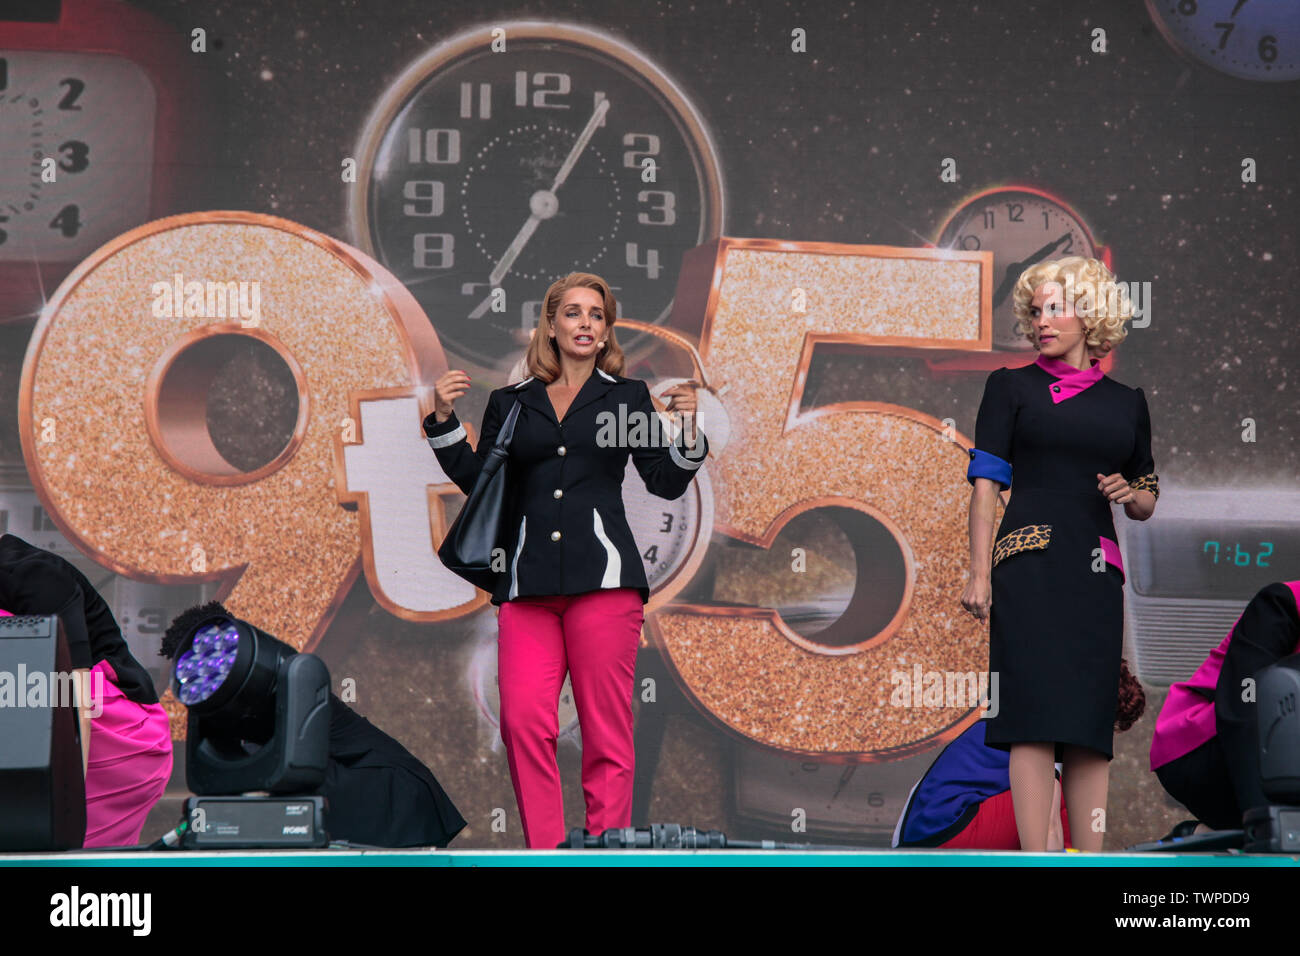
{"type": "Point", "coordinates": [478, 530]}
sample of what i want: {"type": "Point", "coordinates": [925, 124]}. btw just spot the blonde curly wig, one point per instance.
{"type": "Point", "coordinates": [1101, 303]}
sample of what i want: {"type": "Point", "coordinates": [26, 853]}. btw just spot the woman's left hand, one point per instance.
{"type": "Point", "coordinates": [1115, 487]}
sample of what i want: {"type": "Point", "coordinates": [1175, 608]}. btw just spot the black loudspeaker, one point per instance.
{"type": "Point", "coordinates": [1278, 700]}
{"type": "Point", "coordinates": [1272, 830]}
{"type": "Point", "coordinates": [42, 788]}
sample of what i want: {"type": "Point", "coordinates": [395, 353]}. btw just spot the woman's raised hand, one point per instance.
{"type": "Point", "coordinates": [681, 398]}
{"type": "Point", "coordinates": [681, 401]}
{"type": "Point", "coordinates": [445, 392]}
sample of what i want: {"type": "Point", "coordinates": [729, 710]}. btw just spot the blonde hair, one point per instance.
{"type": "Point", "coordinates": [1101, 303]}
{"type": "Point", "coordinates": [543, 357]}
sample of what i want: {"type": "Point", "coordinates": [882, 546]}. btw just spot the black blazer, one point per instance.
{"type": "Point", "coordinates": [36, 581]}
{"type": "Point", "coordinates": [565, 496]}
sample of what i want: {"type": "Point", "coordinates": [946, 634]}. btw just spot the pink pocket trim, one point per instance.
{"type": "Point", "coordinates": [1110, 551]}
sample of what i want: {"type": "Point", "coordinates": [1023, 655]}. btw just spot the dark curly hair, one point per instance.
{"type": "Point", "coordinates": [1132, 699]}
{"type": "Point", "coordinates": [185, 622]}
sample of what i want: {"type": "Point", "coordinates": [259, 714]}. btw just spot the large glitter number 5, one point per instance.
{"type": "Point", "coordinates": [765, 305]}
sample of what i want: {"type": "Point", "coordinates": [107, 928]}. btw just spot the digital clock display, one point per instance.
{"type": "Point", "coordinates": [1211, 560]}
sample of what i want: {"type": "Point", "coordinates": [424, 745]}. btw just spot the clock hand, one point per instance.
{"type": "Point", "coordinates": [845, 776]}
{"type": "Point", "coordinates": [1016, 268]}
{"type": "Point", "coordinates": [1047, 250]}
{"type": "Point", "coordinates": [512, 251]}
{"type": "Point", "coordinates": [516, 246]}
{"type": "Point", "coordinates": [583, 139]}
{"type": "Point", "coordinates": [543, 204]}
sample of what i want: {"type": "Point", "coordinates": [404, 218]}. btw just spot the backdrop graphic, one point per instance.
{"type": "Point", "coordinates": [239, 241]}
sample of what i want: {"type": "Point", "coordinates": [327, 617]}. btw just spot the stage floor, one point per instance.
{"type": "Point", "coordinates": [639, 858]}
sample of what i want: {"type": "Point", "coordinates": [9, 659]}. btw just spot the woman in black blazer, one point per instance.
{"type": "Point", "coordinates": [573, 586]}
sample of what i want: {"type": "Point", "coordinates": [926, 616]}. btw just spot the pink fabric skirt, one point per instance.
{"type": "Point", "coordinates": [130, 763]}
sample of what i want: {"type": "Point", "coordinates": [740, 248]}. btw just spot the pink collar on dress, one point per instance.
{"type": "Point", "coordinates": [1070, 380]}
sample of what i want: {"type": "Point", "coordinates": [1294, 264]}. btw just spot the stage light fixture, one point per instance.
{"type": "Point", "coordinates": [258, 709]}
{"type": "Point", "coordinates": [203, 668]}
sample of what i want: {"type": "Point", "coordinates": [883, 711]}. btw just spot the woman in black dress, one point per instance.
{"type": "Point", "coordinates": [1052, 586]}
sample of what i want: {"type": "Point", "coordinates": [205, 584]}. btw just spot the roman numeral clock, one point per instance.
{"type": "Point", "coordinates": [514, 153]}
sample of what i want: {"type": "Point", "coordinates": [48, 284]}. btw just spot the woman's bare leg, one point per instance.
{"type": "Point", "coordinates": [1032, 783]}
{"type": "Point", "coordinates": [1086, 775]}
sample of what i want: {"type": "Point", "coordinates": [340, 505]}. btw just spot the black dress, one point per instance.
{"type": "Point", "coordinates": [1056, 621]}
{"type": "Point", "coordinates": [379, 793]}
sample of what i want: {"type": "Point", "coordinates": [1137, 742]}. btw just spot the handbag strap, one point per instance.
{"type": "Point", "coordinates": [507, 431]}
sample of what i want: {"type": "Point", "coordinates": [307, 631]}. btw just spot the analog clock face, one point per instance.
{"type": "Point", "coordinates": [1248, 39]}
{"type": "Point", "coordinates": [93, 115]}
{"type": "Point", "coordinates": [486, 176]}
{"type": "Point", "coordinates": [1020, 228]}
{"type": "Point", "coordinates": [666, 532]}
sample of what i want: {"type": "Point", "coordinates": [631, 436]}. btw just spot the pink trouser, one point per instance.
{"type": "Point", "coordinates": [594, 637]}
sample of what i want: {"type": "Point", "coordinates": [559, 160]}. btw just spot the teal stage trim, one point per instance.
{"type": "Point", "coordinates": [642, 858]}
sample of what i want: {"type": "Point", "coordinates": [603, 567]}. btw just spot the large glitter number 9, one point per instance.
{"type": "Point", "coordinates": [765, 305]}
{"type": "Point", "coordinates": [113, 399]}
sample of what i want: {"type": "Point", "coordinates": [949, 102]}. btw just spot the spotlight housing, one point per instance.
{"type": "Point", "coordinates": [258, 709]}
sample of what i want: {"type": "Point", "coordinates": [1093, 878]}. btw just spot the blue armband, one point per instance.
{"type": "Point", "coordinates": [984, 465]}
